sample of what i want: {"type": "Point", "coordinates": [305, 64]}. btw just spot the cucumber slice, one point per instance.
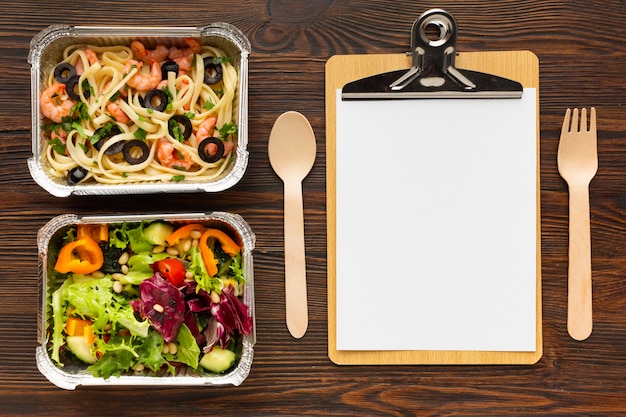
{"type": "Point", "coordinates": [157, 232]}
{"type": "Point", "coordinates": [79, 346]}
{"type": "Point", "coordinates": [218, 360]}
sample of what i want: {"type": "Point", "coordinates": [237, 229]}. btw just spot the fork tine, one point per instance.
{"type": "Point", "coordinates": [566, 121]}
{"type": "Point", "coordinates": [583, 120]}
{"type": "Point", "coordinates": [574, 126]}
{"type": "Point", "coordinates": [592, 120]}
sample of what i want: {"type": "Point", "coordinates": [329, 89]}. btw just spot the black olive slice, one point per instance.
{"type": "Point", "coordinates": [111, 150]}
{"type": "Point", "coordinates": [212, 72]}
{"type": "Point", "coordinates": [76, 175]}
{"type": "Point", "coordinates": [181, 123]}
{"type": "Point", "coordinates": [169, 66]}
{"type": "Point", "coordinates": [72, 88]}
{"type": "Point", "coordinates": [155, 100]}
{"type": "Point", "coordinates": [203, 152]}
{"type": "Point", "coordinates": [116, 148]}
{"type": "Point", "coordinates": [63, 72]}
{"type": "Point", "coordinates": [129, 146]}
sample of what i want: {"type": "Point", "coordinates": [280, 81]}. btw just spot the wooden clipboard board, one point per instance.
{"type": "Point", "coordinates": [522, 66]}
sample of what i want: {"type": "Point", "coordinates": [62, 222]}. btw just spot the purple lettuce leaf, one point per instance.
{"type": "Point", "coordinates": [170, 310]}
{"type": "Point", "coordinates": [229, 316]}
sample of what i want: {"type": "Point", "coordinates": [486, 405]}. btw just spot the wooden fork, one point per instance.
{"type": "Point", "coordinates": [578, 163]}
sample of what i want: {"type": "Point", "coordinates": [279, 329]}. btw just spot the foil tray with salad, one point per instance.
{"type": "Point", "coordinates": [152, 298]}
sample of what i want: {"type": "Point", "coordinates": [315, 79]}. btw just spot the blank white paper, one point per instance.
{"type": "Point", "coordinates": [436, 224]}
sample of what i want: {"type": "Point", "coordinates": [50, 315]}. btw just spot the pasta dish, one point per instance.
{"type": "Point", "coordinates": [128, 114]}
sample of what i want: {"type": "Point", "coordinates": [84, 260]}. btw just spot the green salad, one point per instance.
{"type": "Point", "coordinates": [148, 298]}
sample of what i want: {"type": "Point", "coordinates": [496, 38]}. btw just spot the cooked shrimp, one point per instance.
{"type": "Point", "coordinates": [91, 57]}
{"type": "Point", "coordinates": [117, 112]}
{"type": "Point", "coordinates": [193, 48]}
{"type": "Point", "coordinates": [171, 157]}
{"type": "Point", "coordinates": [206, 128]}
{"type": "Point", "coordinates": [60, 135]}
{"type": "Point", "coordinates": [142, 81]}
{"type": "Point", "coordinates": [55, 104]}
{"type": "Point", "coordinates": [184, 63]}
{"type": "Point", "coordinates": [140, 52]}
{"type": "Point", "coordinates": [211, 148]}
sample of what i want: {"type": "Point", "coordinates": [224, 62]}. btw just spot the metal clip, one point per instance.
{"type": "Point", "coordinates": [433, 72]}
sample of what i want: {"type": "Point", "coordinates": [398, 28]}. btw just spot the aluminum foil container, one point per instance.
{"type": "Point", "coordinates": [46, 52]}
{"type": "Point", "coordinates": [70, 377]}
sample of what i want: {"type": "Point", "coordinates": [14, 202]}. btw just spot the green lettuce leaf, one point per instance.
{"type": "Point", "coordinates": [150, 352]}
{"type": "Point", "coordinates": [138, 242]}
{"type": "Point", "coordinates": [112, 363]}
{"type": "Point", "coordinates": [188, 351]}
{"type": "Point", "coordinates": [139, 267]}
{"type": "Point", "coordinates": [201, 276]}
{"type": "Point", "coordinates": [95, 299]}
{"type": "Point", "coordinates": [131, 234]}
{"type": "Point", "coordinates": [59, 318]}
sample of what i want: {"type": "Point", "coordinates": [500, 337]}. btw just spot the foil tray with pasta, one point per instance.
{"type": "Point", "coordinates": [138, 110]}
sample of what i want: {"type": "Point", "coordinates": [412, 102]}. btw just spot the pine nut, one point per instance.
{"type": "Point", "coordinates": [189, 276]}
{"type": "Point", "coordinates": [125, 269]}
{"type": "Point", "coordinates": [165, 348]}
{"type": "Point", "coordinates": [117, 276]}
{"type": "Point", "coordinates": [186, 246]}
{"type": "Point", "coordinates": [195, 234]}
{"type": "Point", "coordinates": [215, 297]}
{"type": "Point", "coordinates": [158, 249]}
{"type": "Point", "coordinates": [172, 348]}
{"type": "Point", "coordinates": [97, 274]}
{"type": "Point", "coordinates": [171, 250]}
{"type": "Point", "coordinates": [117, 287]}
{"type": "Point", "coordinates": [158, 307]}
{"type": "Point", "coordinates": [123, 258]}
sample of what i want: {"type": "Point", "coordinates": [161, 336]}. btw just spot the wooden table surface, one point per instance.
{"type": "Point", "coordinates": [580, 45]}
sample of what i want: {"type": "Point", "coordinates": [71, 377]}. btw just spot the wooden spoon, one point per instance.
{"type": "Point", "coordinates": [291, 150]}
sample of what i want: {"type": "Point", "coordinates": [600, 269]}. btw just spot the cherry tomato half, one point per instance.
{"type": "Point", "coordinates": [172, 269]}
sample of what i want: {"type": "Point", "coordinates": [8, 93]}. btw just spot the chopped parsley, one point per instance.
{"type": "Point", "coordinates": [176, 130]}
{"type": "Point", "coordinates": [227, 129]}
{"type": "Point", "coordinates": [58, 146]}
{"type": "Point", "coordinates": [140, 134]}
{"type": "Point", "coordinates": [101, 133]}
{"type": "Point", "coordinates": [76, 126]}
{"type": "Point", "coordinates": [220, 59]}
{"type": "Point", "coordinates": [170, 98]}
{"type": "Point", "coordinates": [87, 87]}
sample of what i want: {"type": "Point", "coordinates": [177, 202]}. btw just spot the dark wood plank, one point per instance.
{"type": "Point", "coordinates": [579, 45]}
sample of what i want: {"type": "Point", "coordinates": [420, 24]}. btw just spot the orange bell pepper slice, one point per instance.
{"type": "Point", "coordinates": [75, 326]}
{"type": "Point", "coordinates": [183, 232]}
{"type": "Point", "coordinates": [98, 232]}
{"type": "Point", "coordinates": [82, 256]}
{"type": "Point", "coordinates": [228, 246]}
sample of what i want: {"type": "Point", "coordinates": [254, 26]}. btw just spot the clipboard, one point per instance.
{"type": "Point", "coordinates": [341, 70]}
